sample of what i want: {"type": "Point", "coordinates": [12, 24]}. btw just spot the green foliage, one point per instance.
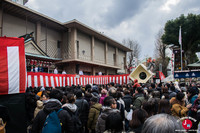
{"type": "Point", "coordinates": [190, 26]}
{"type": "Point", "coordinates": [194, 58]}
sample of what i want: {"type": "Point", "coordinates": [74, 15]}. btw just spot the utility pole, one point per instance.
{"type": "Point", "coordinates": [180, 42]}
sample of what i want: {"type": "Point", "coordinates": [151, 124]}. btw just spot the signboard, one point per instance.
{"type": "Point", "coordinates": [157, 81]}
{"type": "Point", "coordinates": [187, 74]}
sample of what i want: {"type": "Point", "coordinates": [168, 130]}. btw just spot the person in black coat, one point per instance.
{"type": "Point", "coordinates": [83, 109]}
{"type": "Point", "coordinates": [53, 104]}
{"type": "Point", "coordinates": [72, 109]}
{"type": "Point", "coordinates": [128, 100]}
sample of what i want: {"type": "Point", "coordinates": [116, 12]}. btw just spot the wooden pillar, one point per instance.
{"type": "Point", "coordinates": [74, 43]}
{"type": "Point", "coordinates": [125, 63]}
{"type": "Point", "coordinates": [116, 57]}
{"type": "Point", "coordinates": [92, 49]}
{"type": "Point", "coordinates": [106, 53]}
{"type": "Point", "coordinates": [38, 33]}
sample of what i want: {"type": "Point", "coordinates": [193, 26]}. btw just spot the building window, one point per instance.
{"type": "Point", "coordinates": [77, 44]}
{"type": "Point", "coordinates": [58, 44]}
{"type": "Point", "coordinates": [124, 61]}
{"type": "Point", "coordinates": [114, 58]}
{"type": "Point", "coordinates": [58, 49]}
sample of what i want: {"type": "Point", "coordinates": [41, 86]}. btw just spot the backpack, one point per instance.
{"type": "Point", "coordinates": [76, 120]}
{"type": "Point", "coordinates": [114, 122]}
{"type": "Point", "coordinates": [52, 123]}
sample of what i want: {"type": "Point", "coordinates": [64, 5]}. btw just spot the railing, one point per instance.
{"type": "Point", "coordinates": [85, 57]}
{"type": "Point", "coordinates": [102, 61]}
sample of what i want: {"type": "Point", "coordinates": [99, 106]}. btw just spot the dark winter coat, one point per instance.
{"type": "Point", "coordinates": [139, 99]}
{"type": "Point", "coordinates": [52, 105]}
{"type": "Point", "coordinates": [128, 100]}
{"type": "Point", "coordinates": [101, 122]}
{"type": "Point", "coordinates": [121, 108]}
{"type": "Point", "coordinates": [83, 109]}
{"type": "Point", "coordinates": [72, 109]}
{"type": "Point", "coordinates": [155, 101]}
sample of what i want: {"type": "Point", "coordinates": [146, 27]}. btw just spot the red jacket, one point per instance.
{"type": "Point", "coordinates": [136, 84]}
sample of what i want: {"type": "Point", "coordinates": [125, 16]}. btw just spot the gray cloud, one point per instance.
{"type": "Point", "coordinates": [121, 10]}
{"type": "Point", "coordinates": [138, 20]}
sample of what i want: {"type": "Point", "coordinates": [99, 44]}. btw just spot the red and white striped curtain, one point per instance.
{"type": "Point", "coordinates": [12, 65]}
{"type": "Point", "coordinates": [61, 80]}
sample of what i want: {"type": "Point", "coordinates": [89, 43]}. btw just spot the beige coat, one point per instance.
{"type": "Point", "coordinates": [178, 109]}
{"type": "Point", "coordinates": [38, 108]}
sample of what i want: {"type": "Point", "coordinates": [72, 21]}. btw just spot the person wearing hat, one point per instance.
{"type": "Point", "coordinates": [40, 103]}
{"type": "Point", "coordinates": [95, 92]}
{"type": "Point", "coordinates": [41, 91]}
{"type": "Point", "coordinates": [136, 84]}
{"type": "Point", "coordinates": [93, 114]}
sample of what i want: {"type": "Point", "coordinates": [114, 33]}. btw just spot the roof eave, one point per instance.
{"type": "Point", "coordinates": [88, 62]}
{"type": "Point", "coordinates": [40, 16]}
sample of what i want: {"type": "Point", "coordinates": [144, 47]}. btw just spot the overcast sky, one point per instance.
{"type": "Point", "coordinates": [138, 20]}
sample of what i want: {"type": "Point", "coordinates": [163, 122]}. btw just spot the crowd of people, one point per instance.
{"type": "Point", "coordinates": [146, 108]}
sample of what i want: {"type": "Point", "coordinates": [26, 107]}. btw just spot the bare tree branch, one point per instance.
{"type": "Point", "coordinates": [160, 55]}
{"type": "Point", "coordinates": [136, 50]}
